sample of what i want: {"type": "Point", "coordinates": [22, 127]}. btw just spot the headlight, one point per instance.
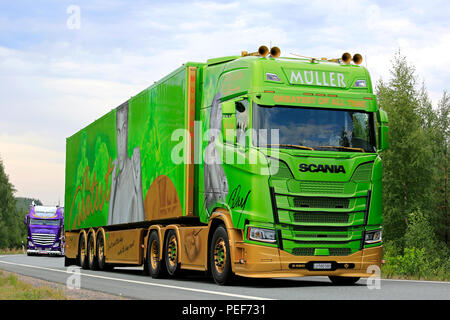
{"type": "Point", "coordinates": [264, 235]}
{"type": "Point", "coordinates": [30, 243]}
{"type": "Point", "coordinates": [373, 236]}
{"type": "Point", "coordinates": [56, 244]}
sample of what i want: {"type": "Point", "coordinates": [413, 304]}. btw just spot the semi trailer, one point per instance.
{"type": "Point", "coordinates": [252, 165]}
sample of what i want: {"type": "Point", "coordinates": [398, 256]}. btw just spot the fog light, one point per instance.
{"type": "Point", "coordinates": [259, 234]}
{"type": "Point", "coordinates": [373, 236]}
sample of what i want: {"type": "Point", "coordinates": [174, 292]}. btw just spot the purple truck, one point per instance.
{"type": "Point", "coordinates": [45, 226]}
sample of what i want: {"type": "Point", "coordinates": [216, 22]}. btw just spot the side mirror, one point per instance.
{"type": "Point", "coordinates": [26, 220]}
{"type": "Point", "coordinates": [229, 121]}
{"type": "Point", "coordinates": [383, 131]}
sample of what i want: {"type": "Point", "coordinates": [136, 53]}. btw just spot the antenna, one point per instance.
{"type": "Point", "coordinates": [298, 55]}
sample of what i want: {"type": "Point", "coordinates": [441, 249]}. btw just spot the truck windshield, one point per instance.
{"type": "Point", "coordinates": [44, 222]}
{"type": "Point", "coordinates": [313, 129]}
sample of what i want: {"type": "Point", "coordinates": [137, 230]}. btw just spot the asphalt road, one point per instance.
{"type": "Point", "coordinates": [131, 283]}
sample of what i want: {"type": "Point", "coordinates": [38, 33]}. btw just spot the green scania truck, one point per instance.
{"type": "Point", "coordinates": [253, 165]}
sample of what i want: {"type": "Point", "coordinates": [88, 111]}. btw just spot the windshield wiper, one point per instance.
{"type": "Point", "coordinates": [293, 146]}
{"type": "Point", "coordinates": [341, 147]}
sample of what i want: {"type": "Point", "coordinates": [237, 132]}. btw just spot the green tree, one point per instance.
{"type": "Point", "coordinates": [407, 176]}
{"type": "Point", "coordinates": [442, 142]}
{"type": "Point", "coordinates": [10, 229]}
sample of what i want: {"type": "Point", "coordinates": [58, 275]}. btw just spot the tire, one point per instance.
{"type": "Point", "coordinates": [219, 257]}
{"type": "Point", "coordinates": [91, 255]}
{"type": "Point", "coordinates": [156, 268]}
{"type": "Point", "coordinates": [82, 253]}
{"type": "Point", "coordinates": [343, 281]}
{"type": "Point", "coordinates": [171, 253]}
{"type": "Point", "coordinates": [100, 251]}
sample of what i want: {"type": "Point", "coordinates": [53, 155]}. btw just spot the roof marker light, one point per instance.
{"type": "Point", "coordinates": [272, 77]}
{"type": "Point", "coordinates": [360, 84]}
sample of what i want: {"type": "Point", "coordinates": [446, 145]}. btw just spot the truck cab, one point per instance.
{"type": "Point", "coordinates": [45, 226]}
{"type": "Point", "coordinates": [306, 135]}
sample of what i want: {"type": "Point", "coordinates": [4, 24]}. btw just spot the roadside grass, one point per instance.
{"type": "Point", "coordinates": [4, 251]}
{"type": "Point", "coordinates": [11, 288]}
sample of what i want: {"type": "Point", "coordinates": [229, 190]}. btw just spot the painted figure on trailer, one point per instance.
{"type": "Point", "coordinates": [126, 200]}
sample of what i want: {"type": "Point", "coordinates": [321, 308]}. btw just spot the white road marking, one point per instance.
{"type": "Point", "coordinates": [146, 283]}
{"type": "Point", "coordinates": [382, 279]}
{"type": "Point", "coordinates": [421, 281]}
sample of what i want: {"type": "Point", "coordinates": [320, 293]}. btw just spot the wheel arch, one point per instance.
{"type": "Point", "coordinates": [222, 217]}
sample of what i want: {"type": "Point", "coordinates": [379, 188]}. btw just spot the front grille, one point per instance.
{"type": "Point", "coordinates": [44, 239]}
{"type": "Point", "coordinates": [321, 217]}
{"type": "Point", "coordinates": [321, 202]}
{"type": "Point", "coordinates": [314, 235]}
{"type": "Point", "coordinates": [340, 251]}
{"type": "Point", "coordinates": [303, 251]}
{"type": "Point", "coordinates": [310, 251]}
{"type": "Point", "coordinates": [363, 173]}
{"type": "Point", "coordinates": [319, 229]}
{"type": "Point", "coordinates": [321, 187]}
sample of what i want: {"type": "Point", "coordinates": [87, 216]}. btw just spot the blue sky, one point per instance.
{"type": "Point", "coordinates": [55, 80]}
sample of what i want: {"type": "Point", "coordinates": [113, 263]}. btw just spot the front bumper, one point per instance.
{"type": "Point", "coordinates": [267, 262]}
{"type": "Point", "coordinates": [49, 252]}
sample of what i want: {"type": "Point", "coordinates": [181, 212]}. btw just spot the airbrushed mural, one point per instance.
{"type": "Point", "coordinates": [119, 169]}
{"type": "Point", "coordinates": [216, 184]}
{"type": "Point", "coordinates": [126, 200]}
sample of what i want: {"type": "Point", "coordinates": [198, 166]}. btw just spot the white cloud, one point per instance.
{"type": "Point", "coordinates": [34, 171]}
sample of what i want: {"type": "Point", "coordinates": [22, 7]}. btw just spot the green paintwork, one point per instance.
{"type": "Point", "coordinates": [154, 114]}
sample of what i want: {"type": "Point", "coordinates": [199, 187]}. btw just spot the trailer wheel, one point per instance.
{"type": "Point", "coordinates": [92, 261]}
{"type": "Point", "coordinates": [219, 257]}
{"type": "Point", "coordinates": [172, 253]}
{"type": "Point", "coordinates": [100, 251]}
{"type": "Point", "coordinates": [343, 281]}
{"type": "Point", "coordinates": [82, 257]}
{"type": "Point", "coordinates": [155, 266]}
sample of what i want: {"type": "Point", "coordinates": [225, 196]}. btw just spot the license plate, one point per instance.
{"type": "Point", "coordinates": [322, 266]}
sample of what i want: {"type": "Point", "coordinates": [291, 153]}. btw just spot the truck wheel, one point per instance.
{"type": "Point", "coordinates": [82, 257]}
{"type": "Point", "coordinates": [219, 257]}
{"type": "Point", "coordinates": [100, 251]}
{"type": "Point", "coordinates": [156, 267]}
{"type": "Point", "coordinates": [92, 261]}
{"type": "Point", "coordinates": [172, 253]}
{"type": "Point", "coordinates": [343, 281]}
